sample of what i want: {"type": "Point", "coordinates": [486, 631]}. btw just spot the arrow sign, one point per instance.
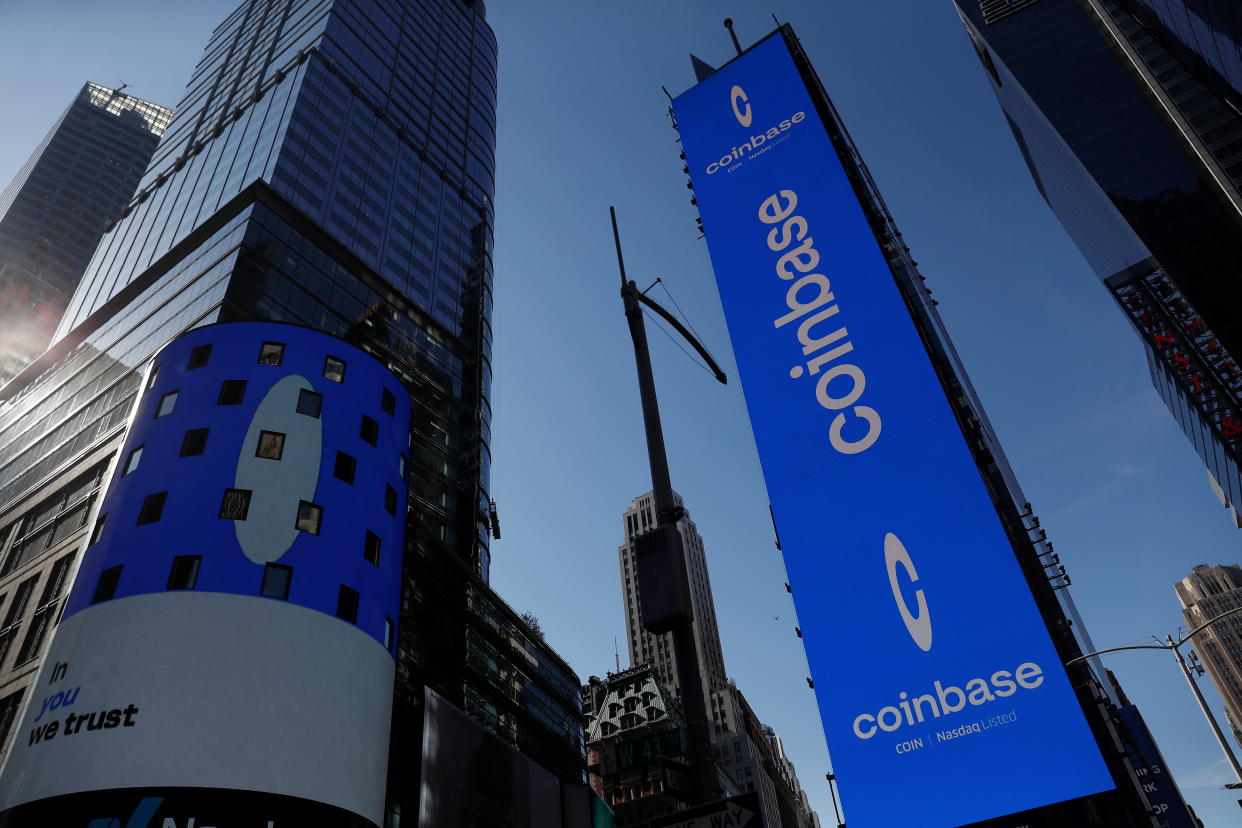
{"type": "Point", "coordinates": [735, 812]}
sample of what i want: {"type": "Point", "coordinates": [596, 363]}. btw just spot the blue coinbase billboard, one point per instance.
{"type": "Point", "coordinates": [942, 696]}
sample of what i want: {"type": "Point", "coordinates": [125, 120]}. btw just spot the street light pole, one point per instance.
{"type": "Point", "coordinates": [1175, 648]}
{"type": "Point", "coordinates": [659, 555]}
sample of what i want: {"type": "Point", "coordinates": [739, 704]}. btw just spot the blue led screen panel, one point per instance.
{"type": "Point", "coordinates": [232, 623]}
{"type": "Point", "coordinates": [941, 694]}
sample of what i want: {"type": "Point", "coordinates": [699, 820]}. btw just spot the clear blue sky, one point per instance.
{"type": "Point", "coordinates": [582, 126]}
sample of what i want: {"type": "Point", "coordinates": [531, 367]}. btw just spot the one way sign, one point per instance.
{"type": "Point", "coordinates": [736, 812]}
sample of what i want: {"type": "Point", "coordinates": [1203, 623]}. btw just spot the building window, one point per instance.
{"type": "Point", "coordinates": [401, 467]}
{"type": "Point", "coordinates": [9, 706]}
{"type": "Point", "coordinates": [344, 467]}
{"type": "Point", "coordinates": [152, 508]}
{"type": "Point", "coordinates": [347, 604]}
{"type": "Point", "coordinates": [108, 581]}
{"type": "Point", "coordinates": [184, 572]}
{"type": "Point", "coordinates": [167, 403]}
{"type": "Point", "coordinates": [369, 430]}
{"type": "Point", "coordinates": [131, 463]}
{"type": "Point", "coordinates": [198, 357]}
{"type": "Point", "coordinates": [310, 403]}
{"type": "Point", "coordinates": [98, 530]}
{"type": "Point", "coordinates": [390, 500]}
{"type": "Point", "coordinates": [235, 504]}
{"type": "Point", "coordinates": [194, 442]}
{"type": "Point", "coordinates": [309, 517]}
{"type": "Point", "coordinates": [371, 548]}
{"type": "Point", "coordinates": [46, 611]}
{"type": "Point", "coordinates": [276, 580]}
{"type": "Point", "coordinates": [388, 402]}
{"type": "Point", "coordinates": [994, 10]}
{"type": "Point", "coordinates": [271, 445]}
{"type": "Point", "coordinates": [388, 633]}
{"type": "Point", "coordinates": [272, 353]}
{"type": "Point", "coordinates": [13, 618]}
{"type": "Point", "coordinates": [334, 369]}
{"type": "Point", "coordinates": [155, 372]}
{"type": "Point", "coordinates": [231, 392]}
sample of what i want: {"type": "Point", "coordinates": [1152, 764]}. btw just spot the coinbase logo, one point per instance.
{"type": "Point", "coordinates": [741, 106]}
{"type": "Point", "coordinates": [919, 626]}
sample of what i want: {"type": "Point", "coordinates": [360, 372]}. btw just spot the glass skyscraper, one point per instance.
{"type": "Point", "coordinates": [1127, 113]}
{"type": "Point", "coordinates": [330, 165]}
{"type": "Point", "coordinates": [53, 212]}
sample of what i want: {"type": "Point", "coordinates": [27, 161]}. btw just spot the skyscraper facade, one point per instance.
{"type": "Point", "coordinates": [53, 212]}
{"type": "Point", "coordinates": [646, 647]}
{"type": "Point", "coordinates": [740, 743]}
{"type": "Point", "coordinates": [1129, 116]}
{"type": "Point", "coordinates": [331, 165]}
{"type": "Point", "coordinates": [1204, 594]}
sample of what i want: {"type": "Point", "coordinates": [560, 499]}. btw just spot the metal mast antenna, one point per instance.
{"type": "Point", "coordinates": [659, 555]}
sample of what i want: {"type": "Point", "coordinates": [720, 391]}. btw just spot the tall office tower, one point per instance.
{"type": "Point", "coordinates": [1204, 594]}
{"type": "Point", "coordinates": [785, 768]}
{"type": "Point", "coordinates": [1129, 116]}
{"type": "Point", "coordinates": [53, 212]}
{"type": "Point", "coordinates": [739, 741]}
{"type": "Point", "coordinates": [331, 166]}
{"type": "Point", "coordinates": [852, 382]}
{"type": "Point", "coordinates": [658, 649]}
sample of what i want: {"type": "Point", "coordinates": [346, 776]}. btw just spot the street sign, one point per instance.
{"type": "Point", "coordinates": [632, 753]}
{"type": "Point", "coordinates": [735, 812]}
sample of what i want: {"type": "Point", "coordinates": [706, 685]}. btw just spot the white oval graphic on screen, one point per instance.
{"type": "Point", "coordinates": [919, 626]}
{"type": "Point", "coordinates": [276, 486]}
{"type": "Point", "coordinates": [741, 105]}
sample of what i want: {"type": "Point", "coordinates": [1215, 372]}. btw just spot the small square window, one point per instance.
{"type": "Point", "coordinates": [198, 357]}
{"type": "Point", "coordinates": [347, 604]}
{"type": "Point", "coordinates": [271, 445]}
{"type": "Point", "coordinates": [108, 581]}
{"type": "Point", "coordinates": [390, 499]}
{"type": "Point", "coordinates": [369, 430]}
{"type": "Point", "coordinates": [97, 532]}
{"type": "Point", "coordinates": [334, 369]}
{"type": "Point", "coordinates": [167, 403]}
{"type": "Point", "coordinates": [310, 403]}
{"type": "Point", "coordinates": [231, 392]}
{"type": "Point", "coordinates": [194, 442]}
{"type": "Point", "coordinates": [371, 548]}
{"type": "Point", "coordinates": [344, 467]}
{"type": "Point", "coordinates": [184, 573]}
{"type": "Point", "coordinates": [388, 402]}
{"type": "Point", "coordinates": [388, 633]}
{"type": "Point", "coordinates": [235, 504]}
{"type": "Point", "coordinates": [401, 467]}
{"type": "Point", "coordinates": [272, 353]}
{"type": "Point", "coordinates": [135, 457]}
{"type": "Point", "coordinates": [155, 372]}
{"type": "Point", "coordinates": [276, 580]}
{"type": "Point", "coordinates": [309, 517]}
{"type": "Point", "coordinates": [152, 508]}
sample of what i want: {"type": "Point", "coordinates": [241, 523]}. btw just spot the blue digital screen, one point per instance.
{"type": "Point", "coordinates": [323, 498]}
{"type": "Point", "coordinates": [942, 697]}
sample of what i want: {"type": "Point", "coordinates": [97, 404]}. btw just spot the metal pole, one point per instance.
{"type": "Point", "coordinates": [693, 702]}
{"type": "Point", "coordinates": [1207, 713]}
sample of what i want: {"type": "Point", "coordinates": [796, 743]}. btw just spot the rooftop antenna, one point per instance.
{"type": "Point", "coordinates": [616, 651]}
{"type": "Point", "coordinates": [728, 24]}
